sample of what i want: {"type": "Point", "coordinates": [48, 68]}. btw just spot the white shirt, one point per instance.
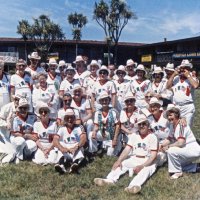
{"type": "Point", "coordinates": [66, 86]}
{"type": "Point", "coordinates": [82, 76]}
{"type": "Point", "coordinates": [88, 84]}
{"type": "Point", "coordinates": [4, 89]}
{"type": "Point", "coordinates": [61, 113]}
{"type": "Point", "coordinates": [54, 80]}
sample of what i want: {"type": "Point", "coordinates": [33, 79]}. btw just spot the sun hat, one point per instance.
{"type": "Point", "coordinates": [121, 68]}
{"type": "Point", "coordinates": [154, 100]}
{"type": "Point", "coordinates": [186, 63]}
{"type": "Point", "coordinates": [40, 105]}
{"type": "Point", "coordinates": [129, 95]}
{"type": "Point", "coordinates": [76, 87]}
{"type": "Point", "coordinates": [170, 67]}
{"type": "Point", "coordinates": [62, 63]}
{"type": "Point", "coordinates": [69, 112]}
{"type": "Point", "coordinates": [79, 59]}
{"type": "Point", "coordinates": [130, 62]}
{"type": "Point", "coordinates": [34, 55]}
{"type": "Point", "coordinates": [141, 118]}
{"type": "Point", "coordinates": [22, 103]}
{"type": "Point", "coordinates": [140, 67]}
{"type": "Point", "coordinates": [93, 63]}
{"type": "Point", "coordinates": [52, 61]}
{"type": "Point", "coordinates": [70, 68]}
{"type": "Point", "coordinates": [157, 70]}
{"type": "Point", "coordinates": [103, 95]}
{"type": "Point", "coordinates": [103, 68]}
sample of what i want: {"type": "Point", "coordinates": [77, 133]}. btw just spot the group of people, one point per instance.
{"type": "Point", "coordinates": [64, 114]}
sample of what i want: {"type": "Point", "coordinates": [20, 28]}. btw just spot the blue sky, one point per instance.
{"type": "Point", "coordinates": [157, 19]}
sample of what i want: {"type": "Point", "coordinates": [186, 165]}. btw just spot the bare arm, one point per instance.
{"type": "Point", "coordinates": [170, 80]}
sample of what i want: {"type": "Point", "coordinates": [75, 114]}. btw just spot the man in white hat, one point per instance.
{"type": "Point", "coordinates": [68, 83]}
{"type": "Point", "coordinates": [21, 135]}
{"type": "Point", "coordinates": [81, 69]}
{"type": "Point", "coordinates": [183, 85]}
{"type": "Point", "coordinates": [69, 140]}
{"type": "Point", "coordinates": [4, 86]}
{"type": "Point", "coordinates": [130, 68]}
{"type": "Point", "coordinates": [103, 84]}
{"type": "Point", "coordinates": [140, 86]}
{"type": "Point", "coordinates": [34, 68]}
{"type": "Point", "coordinates": [61, 68]}
{"type": "Point", "coordinates": [21, 82]}
{"type": "Point", "coordinates": [144, 146]}
{"type": "Point", "coordinates": [90, 80]}
{"type": "Point", "coordinates": [169, 70]}
{"type": "Point", "coordinates": [53, 77]}
{"type": "Point", "coordinates": [122, 86]}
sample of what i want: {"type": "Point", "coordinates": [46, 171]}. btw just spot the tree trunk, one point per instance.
{"type": "Point", "coordinates": [116, 52]}
{"type": "Point", "coordinates": [25, 51]}
{"type": "Point", "coordinates": [76, 48]}
{"type": "Point", "coordinates": [108, 53]}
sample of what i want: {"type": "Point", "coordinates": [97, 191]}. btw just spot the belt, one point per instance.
{"type": "Point", "coordinates": [140, 156]}
{"type": "Point", "coordinates": [183, 104]}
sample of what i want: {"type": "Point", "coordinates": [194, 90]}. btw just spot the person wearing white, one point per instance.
{"type": "Point", "coordinates": [70, 140]}
{"type": "Point", "coordinates": [130, 68]}
{"type": "Point", "coordinates": [61, 68]}
{"type": "Point", "coordinates": [22, 137]}
{"type": "Point", "coordinates": [45, 129]}
{"type": "Point", "coordinates": [142, 162]}
{"type": "Point", "coordinates": [183, 85]}
{"type": "Point", "coordinates": [4, 86]}
{"type": "Point", "coordinates": [140, 86]}
{"type": "Point", "coordinates": [21, 83]}
{"type": "Point", "coordinates": [122, 86]}
{"type": "Point", "coordinates": [68, 83]}
{"type": "Point", "coordinates": [106, 127]}
{"type": "Point", "coordinates": [181, 146]}
{"type": "Point", "coordinates": [103, 84]}
{"type": "Point", "coordinates": [46, 93]}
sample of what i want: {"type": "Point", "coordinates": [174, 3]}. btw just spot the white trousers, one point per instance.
{"type": "Point", "coordinates": [40, 158]}
{"type": "Point", "coordinates": [89, 126]}
{"type": "Point", "coordinates": [93, 143]}
{"type": "Point", "coordinates": [23, 146]}
{"type": "Point", "coordinates": [180, 159]}
{"type": "Point", "coordinates": [129, 165]}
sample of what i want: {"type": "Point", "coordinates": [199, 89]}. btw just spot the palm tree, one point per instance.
{"type": "Point", "coordinates": [23, 29]}
{"type": "Point", "coordinates": [78, 21]}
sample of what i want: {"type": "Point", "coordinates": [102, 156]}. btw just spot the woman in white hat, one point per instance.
{"type": "Point", "coordinates": [140, 86]}
{"type": "Point", "coordinates": [138, 157]}
{"type": "Point", "coordinates": [69, 140]}
{"type": "Point", "coordinates": [53, 77]}
{"type": "Point", "coordinates": [181, 146]}
{"type": "Point", "coordinates": [89, 81]}
{"type": "Point", "coordinates": [45, 129]}
{"type": "Point", "coordinates": [103, 84]}
{"type": "Point", "coordinates": [46, 93]}
{"type": "Point", "coordinates": [158, 87]}
{"type": "Point", "coordinates": [106, 127]}
{"type": "Point", "coordinates": [122, 86]}
{"type": "Point", "coordinates": [68, 83]}
{"type": "Point", "coordinates": [22, 136]}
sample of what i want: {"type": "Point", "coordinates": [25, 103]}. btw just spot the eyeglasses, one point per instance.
{"type": "Point", "coordinates": [121, 73]}
{"type": "Point", "coordinates": [148, 97]}
{"type": "Point", "coordinates": [104, 100]}
{"type": "Point", "coordinates": [130, 101]}
{"type": "Point", "coordinates": [103, 72]}
{"type": "Point", "coordinates": [142, 124]}
{"type": "Point", "coordinates": [43, 111]}
{"type": "Point", "coordinates": [23, 108]}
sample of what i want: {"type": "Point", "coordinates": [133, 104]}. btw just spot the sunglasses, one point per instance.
{"type": "Point", "coordinates": [103, 72]}
{"type": "Point", "coordinates": [16, 99]}
{"type": "Point", "coordinates": [43, 111]}
{"type": "Point", "coordinates": [23, 108]}
{"type": "Point", "coordinates": [148, 97]}
{"type": "Point", "coordinates": [142, 124]}
{"type": "Point", "coordinates": [130, 101]}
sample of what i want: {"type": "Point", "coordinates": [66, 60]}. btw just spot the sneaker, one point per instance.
{"type": "Point", "coordinates": [133, 190]}
{"type": "Point", "coordinates": [102, 182]}
{"type": "Point", "coordinates": [16, 161]}
{"type": "Point", "coordinates": [60, 169]}
{"type": "Point", "coordinates": [74, 168]}
{"type": "Point", "coordinates": [176, 175]}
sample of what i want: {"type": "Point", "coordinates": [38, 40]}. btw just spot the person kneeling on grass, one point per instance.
{"type": "Point", "coordinates": [181, 145]}
{"type": "Point", "coordinates": [69, 140]}
{"type": "Point", "coordinates": [141, 162]}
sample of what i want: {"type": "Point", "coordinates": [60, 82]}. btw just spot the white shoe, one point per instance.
{"type": "Point", "coordinates": [102, 182]}
{"type": "Point", "coordinates": [176, 175]}
{"type": "Point", "coordinates": [17, 160]}
{"type": "Point", "coordinates": [134, 190]}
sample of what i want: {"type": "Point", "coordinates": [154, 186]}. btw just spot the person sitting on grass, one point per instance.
{"type": "Point", "coordinates": [181, 145]}
{"type": "Point", "coordinates": [69, 140]}
{"type": "Point", "coordinates": [143, 148]}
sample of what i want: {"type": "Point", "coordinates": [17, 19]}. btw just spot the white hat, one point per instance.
{"type": "Point", "coordinates": [70, 68]}
{"type": "Point", "coordinates": [79, 59]}
{"type": "Point", "coordinates": [170, 67]}
{"type": "Point", "coordinates": [34, 55]}
{"type": "Point", "coordinates": [93, 63]}
{"type": "Point", "coordinates": [156, 101]}
{"type": "Point", "coordinates": [69, 112]}
{"type": "Point", "coordinates": [121, 68]}
{"type": "Point", "coordinates": [130, 62]}
{"type": "Point", "coordinates": [77, 86]}
{"type": "Point", "coordinates": [158, 70]}
{"type": "Point", "coordinates": [186, 63]}
{"type": "Point", "coordinates": [141, 118]}
{"type": "Point", "coordinates": [19, 96]}
{"type": "Point", "coordinates": [103, 67]}
{"type": "Point", "coordinates": [62, 63]}
{"type": "Point", "coordinates": [129, 95]}
{"type": "Point", "coordinates": [103, 95]}
{"type": "Point", "coordinates": [52, 61]}
{"type": "Point", "coordinates": [140, 67]}
{"type": "Point", "coordinates": [170, 107]}
{"type": "Point", "coordinates": [22, 102]}
{"type": "Point", "coordinates": [40, 105]}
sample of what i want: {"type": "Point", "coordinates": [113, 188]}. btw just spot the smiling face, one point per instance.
{"type": "Point", "coordinates": [130, 70]}
{"type": "Point", "coordinates": [23, 110]}
{"type": "Point", "coordinates": [173, 116]}
{"type": "Point", "coordinates": [78, 93]}
{"type": "Point", "coordinates": [93, 69]}
{"type": "Point", "coordinates": [70, 75]}
{"type": "Point", "coordinates": [130, 103]}
{"type": "Point", "coordinates": [158, 77]}
{"type": "Point", "coordinates": [42, 80]}
{"type": "Point", "coordinates": [34, 62]}
{"type": "Point", "coordinates": [105, 102]}
{"type": "Point", "coordinates": [103, 75]}
{"type": "Point", "coordinates": [121, 74]}
{"type": "Point", "coordinates": [143, 127]}
{"type": "Point", "coordinates": [140, 74]}
{"type": "Point", "coordinates": [69, 120]}
{"type": "Point", "coordinates": [44, 113]}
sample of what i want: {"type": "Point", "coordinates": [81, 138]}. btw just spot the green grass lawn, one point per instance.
{"type": "Point", "coordinates": [29, 181]}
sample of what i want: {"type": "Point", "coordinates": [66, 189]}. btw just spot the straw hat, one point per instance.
{"type": "Point", "coordinates": [34, 55]}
